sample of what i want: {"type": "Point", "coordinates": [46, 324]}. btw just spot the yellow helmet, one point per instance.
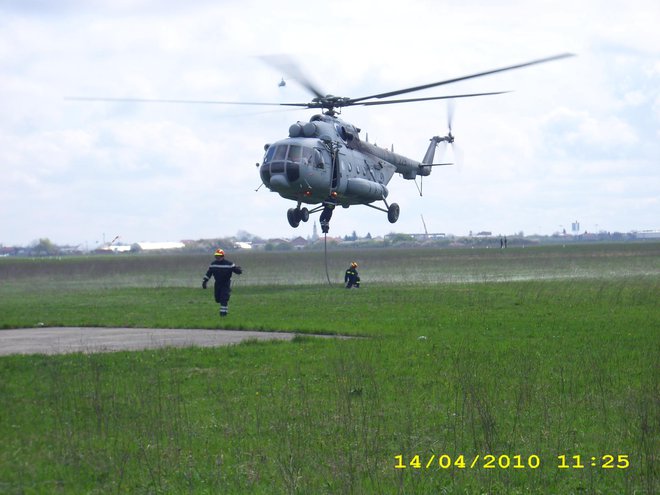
{"type": "Point", "coordinates": [354, 265]}
{"type": "Point", "coordinates": [219, 252]}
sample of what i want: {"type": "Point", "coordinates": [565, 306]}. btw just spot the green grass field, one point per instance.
{"type": "Point", "coordinates": [478, 371]}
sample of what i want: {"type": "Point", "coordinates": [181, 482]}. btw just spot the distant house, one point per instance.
{"type": "Point", "coordinates": [299, 242]}
{"type": "Point", "coordinates": [242, 245]}
{"type": "Point", "coordinates": [159, 246]}
{"type": "Point", "coordinates": [141, 246]}
{"type": "Point", "coordinates": [278, 241]}
{"type": "Point", "coordinates": [115, 248]}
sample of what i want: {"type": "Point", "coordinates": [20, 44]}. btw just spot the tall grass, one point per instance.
{"type": "Point", "coordinates": [547, 367]}
{"type": "Point", "coordinates": [308, 267]}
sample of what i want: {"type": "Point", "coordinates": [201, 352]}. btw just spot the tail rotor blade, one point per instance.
{"type": "Point", "coordinates": [450, 114]}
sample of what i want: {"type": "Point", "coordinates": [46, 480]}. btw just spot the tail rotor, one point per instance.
{"type": "Point", "coordinates": [449, 139]}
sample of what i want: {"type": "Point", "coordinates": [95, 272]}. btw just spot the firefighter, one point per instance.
{"type": "Point", "coordinates": [221, 269]}
{"type": "Point", "coordinates": [351, 278]}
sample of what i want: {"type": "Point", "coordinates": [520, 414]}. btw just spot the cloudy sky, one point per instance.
{"type": "Point", "coordinates": [576, 139]}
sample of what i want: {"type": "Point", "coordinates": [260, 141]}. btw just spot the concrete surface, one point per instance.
{"type": "Point", "coordinates": [63, 340]}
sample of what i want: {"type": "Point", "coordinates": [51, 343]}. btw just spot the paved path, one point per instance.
{"type": "Point", "coordinates": [63, 340]}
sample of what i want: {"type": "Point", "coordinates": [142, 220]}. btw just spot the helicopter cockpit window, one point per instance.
{"type": "Point", "coordinates": [280, 153]}
{"type": "Point", "coordinates": [317, 159]}
{"type": "Point", "coordinates": [295, 154]}
{"type": "Point", "coordinates": [270, 153]}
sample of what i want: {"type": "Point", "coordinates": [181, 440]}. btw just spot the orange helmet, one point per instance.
{"type": "Point", "coordinates": [354, 265]}
{"type": "Point", "coordinates": [219, 252]}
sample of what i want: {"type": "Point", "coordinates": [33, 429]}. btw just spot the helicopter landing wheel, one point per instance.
{"type": "Point", "coordinates": [293, 216]}
{"type": "Point", "coordinates": [304, 214]}
{"type": "Point", "coordinates": [393, 212]}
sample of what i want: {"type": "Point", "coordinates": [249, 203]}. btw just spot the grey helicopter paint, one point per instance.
{"type": "Point", "coordinates": [326, 155]}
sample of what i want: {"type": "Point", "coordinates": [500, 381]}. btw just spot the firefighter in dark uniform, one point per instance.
{"type": "Point", "coordinates": [221, 270]}
{"type": "Point", "coordinates": [328, 206]}
{"type": "Point", "coordinates": [351, 278]}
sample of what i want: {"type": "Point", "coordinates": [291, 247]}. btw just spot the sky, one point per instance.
{"type": "Point", "coordinates": [575, 140]}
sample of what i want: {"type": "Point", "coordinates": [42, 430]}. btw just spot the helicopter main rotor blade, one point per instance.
{"type": "Point", "coordinates": [410, 100]}
{"type": "Point", "coordinates": [287, 65]}
{"type": "Point", "coordinates": [354, 101]}
{"type": "Point", "coordinates": [195, 102]}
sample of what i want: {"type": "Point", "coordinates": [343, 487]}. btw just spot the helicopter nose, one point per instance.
{"type": "Point", "coordinates": [279, 182]}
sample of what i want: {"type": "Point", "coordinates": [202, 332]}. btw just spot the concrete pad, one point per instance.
{"type": "Point", "coordinates": [63, 340]}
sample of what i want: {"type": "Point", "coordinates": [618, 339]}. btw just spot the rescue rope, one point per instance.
{"type": "Point", "coordinates": [325, 251]}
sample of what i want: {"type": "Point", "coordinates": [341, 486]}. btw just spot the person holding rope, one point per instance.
{"type": "Point", "coordinates": [328, 206]}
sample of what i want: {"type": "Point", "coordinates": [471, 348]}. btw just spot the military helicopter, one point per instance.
{"type": "Point", "coordinates": [324, 163]}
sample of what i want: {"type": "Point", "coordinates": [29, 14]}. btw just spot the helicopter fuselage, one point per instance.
{"type": "Point", "coordinates": [325, 156]}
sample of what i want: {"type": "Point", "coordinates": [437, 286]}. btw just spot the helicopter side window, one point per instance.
{"type": "Point", "coordinates": [307, 155]}
{"type": "Point", "coordinates": [318, 160]}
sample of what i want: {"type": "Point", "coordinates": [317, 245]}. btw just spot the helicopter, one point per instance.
{"type": "Point", "coordinates": [324, 163]}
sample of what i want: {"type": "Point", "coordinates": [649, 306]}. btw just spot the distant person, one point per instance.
{"type": "Point", "coordinates": [328, 206]}
{"type": "Point", "coordinates": [221, 270]}
{"type": "Point", "coordinates": [351, 278]}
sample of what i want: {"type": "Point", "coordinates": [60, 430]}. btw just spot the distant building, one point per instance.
{"type": "Point", "coordinates": [141, 246]}
{"type": "Point", "coordinates": [299, 242]}
{"type": "Point", "coordinates": [430, 235]}
{"type": "Point", "coordinates": [647, 234]}
{"type": "Point", "coordinates": [160, 246]}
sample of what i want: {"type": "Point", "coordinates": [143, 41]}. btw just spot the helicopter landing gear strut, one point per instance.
{"type": "Point", "coordinates": [392, 211]}
{"type": "Point", "coordinates": [296, 215]}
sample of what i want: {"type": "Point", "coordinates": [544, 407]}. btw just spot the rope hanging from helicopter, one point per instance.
{"type": "Point", "coordinates": [333, 148]}
{"type": "Point", "coordinates": [325, 252]}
